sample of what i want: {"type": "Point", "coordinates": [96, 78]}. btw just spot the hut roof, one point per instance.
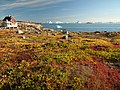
{"type": "Point", "coordinates": [9, 18]}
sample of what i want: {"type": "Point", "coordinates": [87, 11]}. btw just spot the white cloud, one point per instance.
{"type": "Point", "coordinates": [29, 3]}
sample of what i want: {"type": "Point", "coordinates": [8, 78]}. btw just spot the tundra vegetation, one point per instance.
{"type": "Point", "coordinates": [46, 61]}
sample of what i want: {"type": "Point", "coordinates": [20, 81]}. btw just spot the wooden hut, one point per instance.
{"type": "Point", "coordinates": [9, 22]}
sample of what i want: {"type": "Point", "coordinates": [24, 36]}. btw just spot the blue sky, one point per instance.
{"type": "Point", "coordinates": [62, 10]}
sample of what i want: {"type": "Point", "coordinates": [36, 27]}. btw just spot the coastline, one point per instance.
{"type": "Point", "coordinates": [49, 59]}
{"type": "Point", "coordinates": [83, 27]}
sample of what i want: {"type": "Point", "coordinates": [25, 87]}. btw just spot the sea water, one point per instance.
{"type": "Point", "coordinates": [83, 27]}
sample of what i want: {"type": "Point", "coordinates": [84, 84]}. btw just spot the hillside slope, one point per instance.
{"type": "Point", "coordinates": [47, 61]}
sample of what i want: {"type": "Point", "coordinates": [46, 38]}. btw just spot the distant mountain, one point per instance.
{"type": "Point", "coordinates": [78, 22]}
{"type": "Point", "coordinates": [88, 22]}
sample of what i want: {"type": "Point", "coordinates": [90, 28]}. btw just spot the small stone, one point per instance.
{"type": "Point", "coordinates": [20, 32]}
{"type": "Point", "coordinates": [65, 37]}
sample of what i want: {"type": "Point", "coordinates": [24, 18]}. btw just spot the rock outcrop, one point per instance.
{"type": "Point", "coordinates": [29, 27]}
